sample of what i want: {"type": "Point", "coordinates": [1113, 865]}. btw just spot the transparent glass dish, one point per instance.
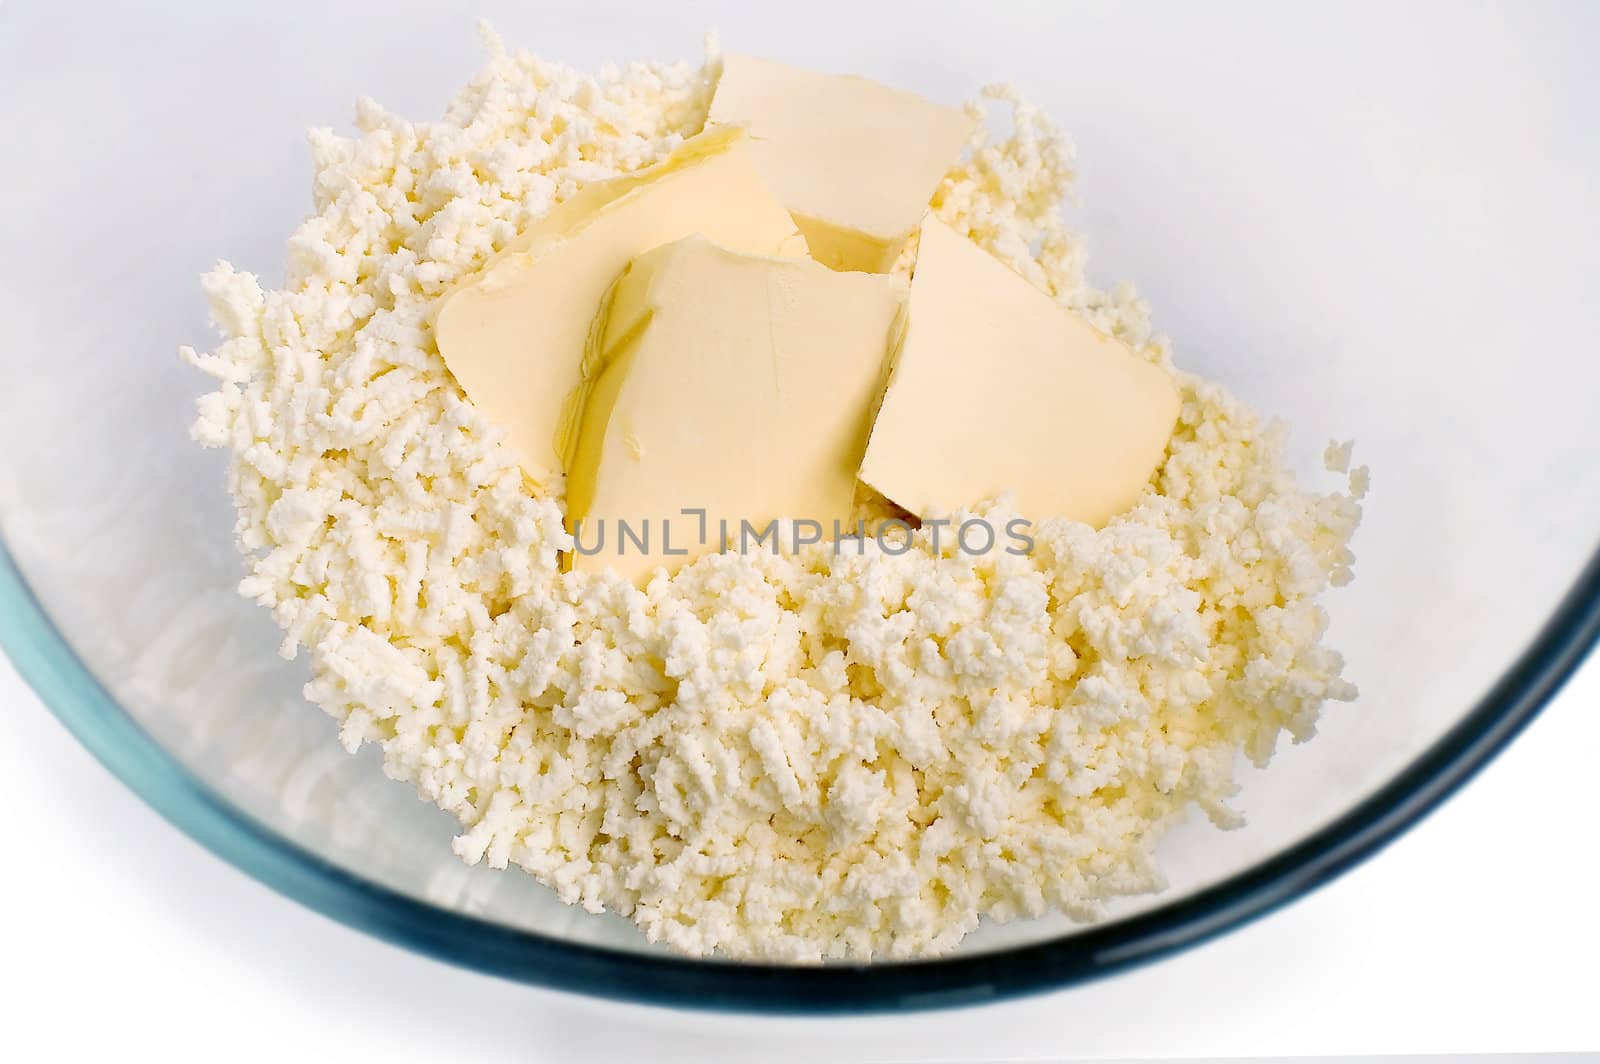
{"type": "Point", "coordinates": [1390, 239]}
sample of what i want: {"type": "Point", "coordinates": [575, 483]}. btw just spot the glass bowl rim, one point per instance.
{"type": "Point", "coordinates": [49, 665]}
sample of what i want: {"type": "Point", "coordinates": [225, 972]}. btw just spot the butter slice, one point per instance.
{"type": "Point", "coordinates": [513, 335]}
{"type": "Point", "coordinates": [855, 161]}
{"type": "Point", "coordinates": [998, 388]}
{"type": "Point", "coordinates": [736, 384]}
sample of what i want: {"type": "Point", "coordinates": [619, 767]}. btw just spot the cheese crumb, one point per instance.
{"type": "Point", "coordinates": [791, 757]}
{"type": "Point", "coordinates": [1336, 458]}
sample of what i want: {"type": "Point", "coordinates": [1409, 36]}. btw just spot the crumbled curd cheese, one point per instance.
{"type": "Point", "coordinates": [787, 757]}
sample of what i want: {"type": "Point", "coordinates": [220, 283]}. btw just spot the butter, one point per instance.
{"type": "Point", "coordinates": [513, 335]}
{"type": "Point", "coordinates": [855, 161]}
{"type": "Point", "coordinates": [737, 385]}
{"type": "Point", "coordinates": [996, 387]}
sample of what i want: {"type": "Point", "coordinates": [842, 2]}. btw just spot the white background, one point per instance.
{"type": "Point", "coordinates": [1477, 931]}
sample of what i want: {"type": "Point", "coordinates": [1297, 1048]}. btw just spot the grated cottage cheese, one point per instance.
{"type": "Point", "coordinates": [789, 758]}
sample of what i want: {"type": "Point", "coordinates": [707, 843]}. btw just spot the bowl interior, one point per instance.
{"type": "Point", "coordinates": [1364, 243]}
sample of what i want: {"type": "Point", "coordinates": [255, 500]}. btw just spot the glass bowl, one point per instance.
{"type": "Point", "coordinates": [1389, 238]}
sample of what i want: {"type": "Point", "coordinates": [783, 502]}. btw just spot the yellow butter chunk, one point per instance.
{"type": "Point", "coordinates": [855, 161]}
{"type": "Point", "coordinates": [513, 335]}
{"type": "Point", "coordinates": [996, 388]}
{"type": "Point", "coordinates": [737, 385]}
